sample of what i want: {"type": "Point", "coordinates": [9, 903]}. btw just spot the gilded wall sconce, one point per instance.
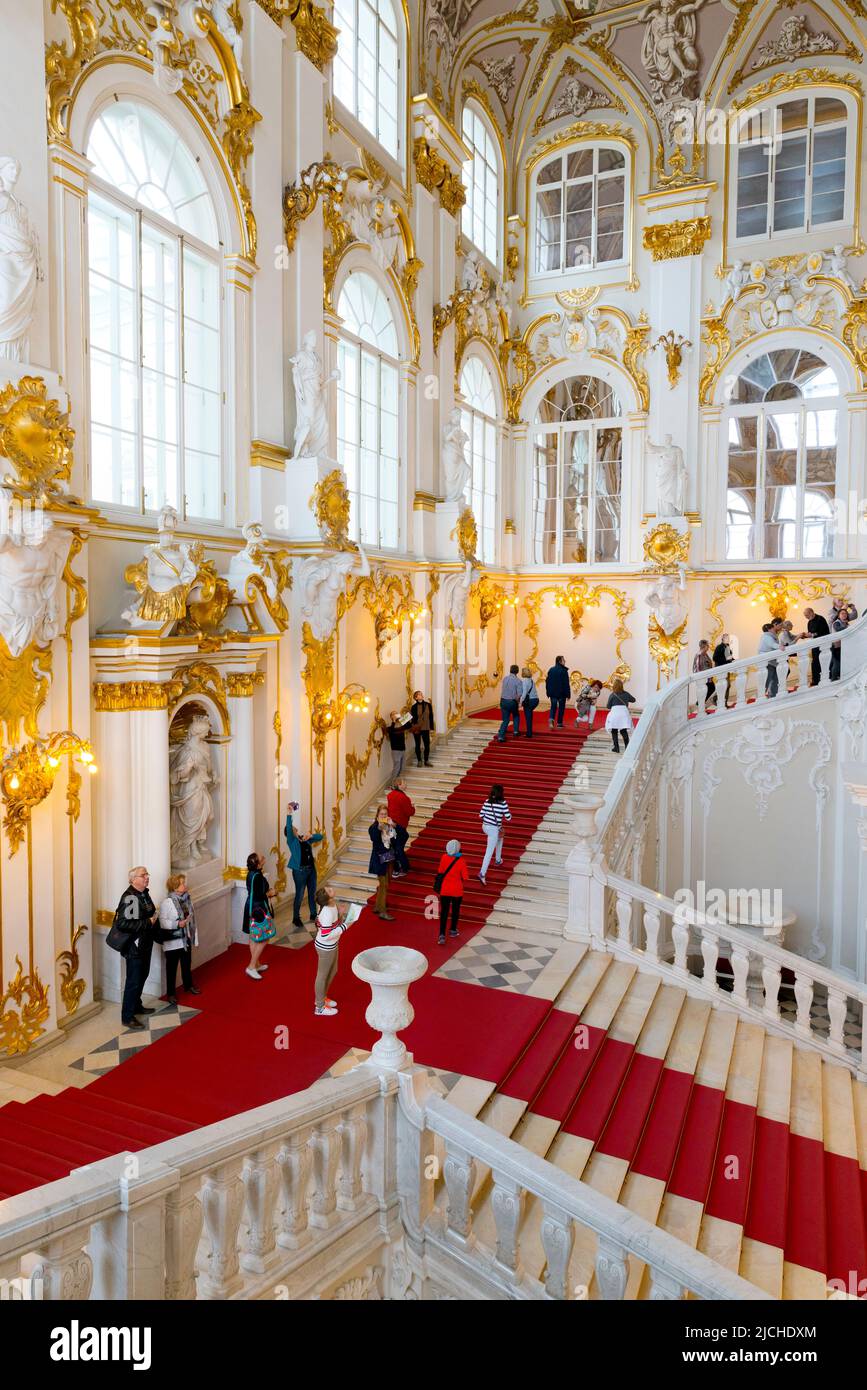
{"type": "Point", "coordinates": [673, 345]}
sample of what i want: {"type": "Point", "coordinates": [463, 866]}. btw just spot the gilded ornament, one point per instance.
{"type": "Point", "coordinates": [315, 35]}
{"type": "Point", "coordinates": [584, 130]}
{"type": "Point", "coordinates": [122, 696]}
{"type": "Point", "coordinates": [233, 874]}
{"type": "Point", "coordinates": [336, 822]}
{"type": "Point", "coordinates": [389, 600]}
{"type": "Point", "coordinates": [240, 685]}
{"type": "Point", "coordinates": [777, 593]}
{"type": "Point", "coordinates": [200, 678]}
{"type": "Point", "coordinates": [358, 763]}
{"type": "Point", "coordinates": [673, 345]}
{"type": "Point", "coordinates": [854, 334]}
{"type": "Point", "coordinates": [24, 684]}
{"type": "Point", "coordinates": [634, 349]}
{"type": "Point", "coordinates": [205, 613]}
{"type": "Point", "coordinates": [27, 776]}
{"type": "Point", "coordinates": [665, 648]}
{"type": "Point", "coordinates": [330, 506]}
{"type": "Point", "coordinates": [466, 533]}
{"type": "Point", "coordinates": [794, 81]}
{"type": "Point", "coordinates": [21, 1026]}
{"type": "Point", "coordinates": [71, 987]}
{"type": "Point", "coordinates": [668, 241]}
{"type": "Point", "coordinates": [327, 711]}
{"type": "Point", "coordinates": [36, 438]}
{"type": "Point", "coordinates": [62, 64]}
{"type": "Point", "coordinates": [575, 596]}
{"type": "Point", "coordinates": [434, 174]}
{"type": "Point", "coordinates": [678, 175]}
{"type": "Point", "coordinates": [325, 180]}
{"type": "Point", "coordinates": [666, 548]}
{"type": "Point", "coordinates": [717, 340]}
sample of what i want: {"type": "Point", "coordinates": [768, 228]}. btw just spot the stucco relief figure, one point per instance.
{"type": "Point", "coordinates": [736, 281]}
{"type": "Point", "coordinates": [20, 269]}
{"type": "Point", "coordinates": [253, 559]}
{"type": "Point", "coordinates": [668, 50]}
{"type": "Point", "coordinates": [163, 578]}
{"type": "Point", "coordinates": [33, 553]}
{"type": "Point", "coordinates": [670, 477]}
{"type": "Point", "coordinates": [456, 470]}
{"type": "Point", "coordinates": [835, 265]}
{"type": "Point", "coordinates": [191, 776]}
{"type": "Point", "coordinates": [311, 410]}
{"type": "Point", "coordinates": [322, 581]}
{"type": "Point", "coordinates": [457, 592]}
{"type": "Point", "coordinates": [372, 218]}
{"type": "Point", "coordinates": [666, 603]}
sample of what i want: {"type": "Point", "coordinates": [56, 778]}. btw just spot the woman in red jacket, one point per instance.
{"type": "Point", "coordinates": [401, 809]}
{"type": "Point", "coordinates": [455, 873]}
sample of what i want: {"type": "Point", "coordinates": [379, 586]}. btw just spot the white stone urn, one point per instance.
{"type": "Point", "coordinates": [389, 970]}
{"type": "Point", "coordinates": [585, 808]}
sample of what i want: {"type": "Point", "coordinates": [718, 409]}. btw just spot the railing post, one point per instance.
{"type": "Point", "coordinates": [709, 955]}
{"type": "Point", "coordinates": [184, 1220]}
{"type": "Point", "coordinates": [294, 1162]}
{"type": "Point", "coordinates": [771, 975]}
{"type": "Point", "coordinates": [623, 909]}
{"type": "Point", "coordinates": [459, 1172]}
{"type": "Point", "coordinates": [664, 1287]}
{"type": "Point", "coordinates": [260, 1184]}
{"type": "Point", "coordinates": [129, 1246]}
{"type": "Point", "coordinates": [804, 1002]}
{"type": "Point", "coordinates": [837, 1015]}
{"type": "Point", "coordinates": [65, 1269]}
{"type": "Point", "coordinates": [680, 937]}
{"type": "Point", "coordinates": [652, 922]}
{"type": "Point", "coordinates": [508, 1200]}
{"type": "Point", "coordinates": [585, 919]}
{"type": "Point", "coordinates": [740, 971]}
{"type": "Point", "coordinates": [223, 1203]}
{"type": "Point", "coordinates": [740, 684]}
{"type": "Point", "coordinates": [558, 1238]}
{"type": "Point", "coordinates": [353, 1131]}
{"type": "Point", "coordinates": [326, 1157]}
{"type": "Point", "coordinates": [612, 1270]}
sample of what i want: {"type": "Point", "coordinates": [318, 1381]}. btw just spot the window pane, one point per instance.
{"type": "Point", "coordinates": [829, 176]}
{"type": "Point", "coordinates": [579, 164]}
{"type": "Point", "coordinates": [742, 485]}
{"type": "Point", "coordinates": [548, 207]}
{"type": "Point", "coordinates": [790, 176]}
{"type": "Point", "coordinates": [752, 209]}
{"type": "Point", "coordinates": [780, 491]}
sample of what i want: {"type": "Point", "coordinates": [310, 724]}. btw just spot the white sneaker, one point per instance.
{"type": "Point", "coordinates": [254, 974]}
{"type": "Point", "coordinates": [326, 1009]}
{"type": "Point", "coordinates": [260, 968]}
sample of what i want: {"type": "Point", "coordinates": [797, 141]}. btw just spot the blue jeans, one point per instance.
{"type": "Point", "coordinates": [772, 680]}
{"type": "Point", "coordinates": [509, 710]}
{"type": "Point", "coordinates": [305, 881]}
{"type": "Point", "coordinates": [529, 711]}
{"type": "Point", "coordinates": [558, 708]}
{"type": "Point", "coordinates": [137, 971]}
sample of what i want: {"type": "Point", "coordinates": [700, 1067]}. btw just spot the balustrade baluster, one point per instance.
{"type": "Point", "coordinates": [771, 975]}
{"type": "Point", "coordinates": [459, 1172]}
{"type": "Point", "coordinates": [223, 1203]}
{"type": "Point", "coordinates": [837, 1014]}
{"type": "Point", "coordinates": [740, 970]}
{"type": "Point", "coordinates": [664, 1286]}
{"type": "Point", "coordinates": [652, 921]}
{"type": "Point", "coordinates": [184, 1220]}
{"type": "Point", "coordinates": [612, 1270]}
{"type": "Point", "coordinates": [680, 937]}
{"type": "Point", "coordinates": [804, 1002]}
{"type": "Point", "coordinates": [260, 1184]}
{"type": "Point", "coordinates": [740, 686]}
{"type": "Point", "coordinates": [508, 1200]}
{"type": "Point", "coordinates": [700, 700]}
{"type": "Point", "coordinates": [710, 956]}
{"type": "Point", "coordinates": [326, 1159]}
{"type": "Point", "coordinates": [825, 663]}
{"type": "Point", "coordinates": [623, 909]}
{"type": "Point", "coordinates": [558, 1238]}
{"type": "Point", "coordinates": [65, 1269]}
{"type": "Point", "coordinates": [353, 1129]}
{"type": "Point", "coordinates": [294, 1162]}
{"type": "Point", "coordinates": [802, 670]}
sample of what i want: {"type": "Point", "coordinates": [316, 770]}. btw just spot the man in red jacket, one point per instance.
{"type": "Point", "coordinates": [400, 809]}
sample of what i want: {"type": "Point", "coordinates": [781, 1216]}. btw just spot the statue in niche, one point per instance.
{"type": "Point", "coordinates": [33, 553]}
{"type": "Point", "coordinates": [163, 578]}
{"type": "Point", "coordinates": [191, 776]}
{"type": "Point", "coordinates": [670, 477]}
{"type": "Point", "coordinates": [665, 601]}
{"type": "Point", "coordinates": [668, 50]}
{"type": "Point", "coordinates": [322, 582]}
{"type": "Point", "coordinates": [311, 412]}
{"type": "Point", "coordinates": [456, 470]}
{"type": "Point", "coordinates": [20, 269]}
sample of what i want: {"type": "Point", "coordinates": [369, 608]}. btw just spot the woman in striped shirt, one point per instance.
{"type": "Point", "coordinates": [494, 812]}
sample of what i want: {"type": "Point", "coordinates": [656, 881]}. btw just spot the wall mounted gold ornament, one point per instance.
{"type": "Point", "coordinates": [27, 776]}
{"type": "Point", "coordinates": [200, 678]}
{"type": "Point", "coordinates": [678, 175]}
{"type": "Point", "coordinates": [666, 548]}
{"type": "Point", "coordinates": [389, 600]}
{"type": "Point", "coordinates": [275, 565]}
{"type": "Point", "coordinates": [466, 533]}
{"type": "Point", "coordinates": [358, 763]}
{"type": "Point", "coordinates": [315, 35]}
{"type": "Point", "coordinates": [672, 344]}
{"type": "Point", "coordinates": [717, 340]}
{"type": "Point", "coordinates": [634, 350]}
{"type": "Point", "coordinates": [336, 822]}
{"type": "Point", "coordinates": [327, 711]}
{"type": "Point", "coordinates": [205, 612]}
{"type": "Point", "coordinates": [323, 179]}
{"type": "Point", "coordinates": [492, 599]}
{"type": "Point", "coordinates": [331, 507]}
{"type": "Point", "coordinates": [22, 1025]}
{"type": "Point", "coordinates": [122, 696]}
{"type": "Point", "coordinates": [668, 241]}
{"type": "Point", "coordinates": [777, 594]}
{"type": "Point", "coordinates": [576, 595]}
{"type": "Point", "coordinates": [240, 685]}
{"type": "Point", "coordinates": [854, 334]}
{"type": "Point", "coordinates": [36, 438]}
{"type": "Point", "coordinates": [434, 174]}
{"type": "Point", "coordinates": [71, 987]}
{"type": "Point", "coordinates": [455, 310]}
{"type": "Point", "coordinates": [665, 648]}
{"type": "Point", "coordinates": [24, 684]}
{"type": "Point", "coordinates": [233, 874]}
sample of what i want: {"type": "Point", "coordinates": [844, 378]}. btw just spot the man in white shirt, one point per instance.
{"type": "Point", "coordinates": [771, 643]}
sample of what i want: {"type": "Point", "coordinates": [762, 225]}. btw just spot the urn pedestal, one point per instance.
{"type": "Point", "coordinates": [390, 970]}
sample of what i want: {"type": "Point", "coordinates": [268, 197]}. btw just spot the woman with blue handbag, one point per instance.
{"type": "Point", "coordinates": [258, 914]}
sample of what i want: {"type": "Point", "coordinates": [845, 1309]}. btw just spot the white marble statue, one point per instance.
{"type": "Point", "coordinates": [311, 411]}
{"type": "Point", "coordinates": [736, 281]}
{"type": "Point", "coordinates": [20, 269]}
{"type": "Point", "coordinates": [457, 592]}
{"type": "Point", "coordinates": [668, 50]}
{"type": "Point", "coordinates": [321, 580]}
{"type": "Point", "coordinates": [163, 578]}
{"type": "Point", "coordinates": [253, 559]}
{"type": "Point", "coordinates": [33, 553]}
{"type": "Point", "coordinates": [456, 470]}
{"type": "Point", "coordinates": [665, 601]}
{"type": "Point", "coordinates": [372, 218]}
{"type": "Point", "coordinates": [834, 264]}
{"type": "Point", "coordinates": [191, 776]}
{"type": "Point", "coordinates": [670, 477]}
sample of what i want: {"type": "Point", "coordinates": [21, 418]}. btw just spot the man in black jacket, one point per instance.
{"type": "Point", "coordinates": [817, 626]}
{"type": "Point", "coordinates": [422, 715]}
{"type": "Point", "coordinates": [558, 689]}
{"type": "Point", "coordinates": [137, 916]}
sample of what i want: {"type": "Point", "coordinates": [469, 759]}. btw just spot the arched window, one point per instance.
{"type": "Point", "coordinates": [368, 410]}
{"type": "Point", "coordinates": [580, 209]}
{"type": "Point", "coordinates": [479, 423]}
{"type": "Point", "coordinates": [367, 67]}
{"type": "Point", "coordinates": [578, 474]}
{"type": "Point", "coordinates": [154, 338]}
{"type": "Point", "coordinates": [792, 168]}
{"type": "Point", "coordinates": [481, 179]}
{"type": "Point", "coordinates": [783, 424]}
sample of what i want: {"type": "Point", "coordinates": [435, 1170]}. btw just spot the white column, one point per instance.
{"type": "Point", "coordinates": [240, 791]}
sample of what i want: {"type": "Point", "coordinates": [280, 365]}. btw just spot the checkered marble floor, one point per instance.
{"type": "Point", "coordinates": [129, 1041]}
{"type": "Point", "coordinates": [821, 1021]}
{"type": "Point", "coordinates": [498, 962]}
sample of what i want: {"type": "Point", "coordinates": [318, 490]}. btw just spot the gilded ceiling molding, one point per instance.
{"type": "Point", "coordinates": [200, 678]}
{"type": "Point", "coordinates": [130, 31]}
{"type": "Point", "coordinates": [794, 81]}
{"type": "Point", "coordinates": [668, 241]}
{"type": "Point", "coordinates": [796, 41]}
{"type": "Point", "coordinates": [583, 130]}
{"type": "Point", "coordinates": [561, 31]}
{"type": "Point", "coordinates": [579, 93]}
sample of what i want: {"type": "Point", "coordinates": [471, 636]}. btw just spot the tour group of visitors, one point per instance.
{"type": "Point", "coordinates": [778, 634]}
{"type": "Point", "coordinates": [518, 692]}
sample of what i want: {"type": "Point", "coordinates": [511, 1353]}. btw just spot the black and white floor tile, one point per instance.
{"type": "Point", "coordinates": [498, 962]}
{"type": "Point", "coordinates": [128, 1041]}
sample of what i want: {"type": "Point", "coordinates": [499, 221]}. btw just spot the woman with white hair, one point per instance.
{"type": "Point", "coordinates": [451, 876]}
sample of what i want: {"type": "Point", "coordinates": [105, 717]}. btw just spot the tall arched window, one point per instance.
{"type": "Point", "coordinates": [481, 179]}
{"type": "Point", "coordinates": [479, 423]}
{"type": "Point", "coordinates": [783, 425]}
{"type": "Point", "coordinates": [368, 410]}
{"type": "Point", "coordinates": [577, 474]}
{"type": "Point", "coordinates": [792, 168]}
{"type": "Point", "coordinates": [154, 339]}
{"type": "Point", "coordinates": [367, 67]}
{"type": "Point", "coordinates": [580, 209]}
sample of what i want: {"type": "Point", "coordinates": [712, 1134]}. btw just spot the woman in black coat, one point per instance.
{"type": "Point", "coordinates": [382, 855]}
{"type": "Point", "coordinates": [258, 921]}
